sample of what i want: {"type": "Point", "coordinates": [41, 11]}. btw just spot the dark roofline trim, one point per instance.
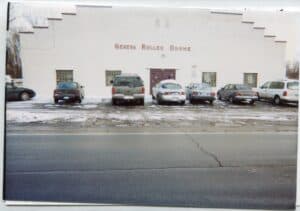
{"type": "Point", "coordinates": [26, 32]}
{"type": "Point", "coordinates": [68, 13]}
{"type": "Point", "coordinates": [259, 27]}
{"type": "Point", "coordinates": [40, 27]}
{"type": "Point", "coordinates": [226, 13]}
{"type": "Point", "coordinates": [99, 6]}
{"type": "Point", "coordinates": [55, 19]}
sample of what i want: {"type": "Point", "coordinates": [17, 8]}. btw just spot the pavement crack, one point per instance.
{"type": "Point", "coordinates": [202, 149]}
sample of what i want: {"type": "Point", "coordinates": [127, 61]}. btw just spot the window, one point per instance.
{"type": "Point", "coordinates": [277, 85]}
{"type": "Point", "coordinates": [64, 76]}
{"type": "Point", "coordinates": [242, 87]}
{"type": "Point", "coordinates": [293, 85]}
{"type": "Point", "coordinates": [110, 76]}
{"type": "Point", "coordinates": [250, 79]}
{"type": "Point", "coordinates": [128, 81]}
{"type": "Point", "coordinates": [67, 85]}
{"type": "Point", "coordinates": [209, 78]}
{"type": "Point", "coordinates": [265, 85]}
{"type": "Point", "coordinates": [171, 86]}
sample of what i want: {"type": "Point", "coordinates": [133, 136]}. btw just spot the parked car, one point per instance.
{"type": "Point", "coordinates": [200, 92]}
{"type": "Point", "coordinates": [68, 92]}
{"type": "Point", "coordinates": [18, 93]}
{"type": "Point", "coordinates": [235, 93]}
{"type": "Point", "coordinates": [168, 91]}
{"type": "Point", "coordinates": [128, 88]}
{"type": "Point", "coordinates": [284, 91]}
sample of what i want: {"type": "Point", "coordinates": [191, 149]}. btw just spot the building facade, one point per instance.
{"type": "Point", "coordinates": [190, 45]}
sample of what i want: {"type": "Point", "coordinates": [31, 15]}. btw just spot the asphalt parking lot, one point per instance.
{"type": "Point", "coordinates": [103, 117]}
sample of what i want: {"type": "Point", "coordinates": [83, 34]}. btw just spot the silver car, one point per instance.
{"type": "Point", "coordinates": [200, 92]}
{"type": "Point", "coordinates": [168, 91]}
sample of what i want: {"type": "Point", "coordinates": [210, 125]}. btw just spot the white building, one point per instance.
{"type": "Point", "coordinates": [193, 45]}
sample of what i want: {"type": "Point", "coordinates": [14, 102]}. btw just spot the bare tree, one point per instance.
{"type": "Point", "coordinates": [292, 70]}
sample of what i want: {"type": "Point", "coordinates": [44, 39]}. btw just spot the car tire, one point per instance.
{"type": "Point", "coordinates": [252, 102]}
{"type": "Point", "coordinates": [114, 102]}
{"type": "Point", "coordinates": [78, 101]}
{"type": "Point", "coordinates": [159, 102]}
{"type": "Point", "coordinates": [182, 102]}
{"type": "Point", "coordinates": [276, 100]}
{"type": "Point", "coordinates": [192, 101]}
{"type": "Point", "coordinates": [211, 102]}
{"type": "Point", "coordinates": [55, 101]}
{"type": "Point", "coordinates": [153, 98]}
{"type": "Point", "coordinates": [24, 96]}
{"type": "Point", "coordinates": [231, 100]}
{"type": "Point", "coordinates": [219, 97]}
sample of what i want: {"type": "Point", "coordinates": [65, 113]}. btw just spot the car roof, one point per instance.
{"type": "Point", "coordinates": [169, 81]}
{"type": "Point", "coordinates": [128, 75]}
{"type": "Point", "coordinates": [68, 82]}
{"type": "Point", "coordinates": [198, 83]}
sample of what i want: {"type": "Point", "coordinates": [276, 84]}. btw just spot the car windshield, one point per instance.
{"type": "Point", "coordinates": [242, 87]}
{"type": "Point", "coordinates": [293, 85]}
{"type": "Point", "coordinates": [201, 86]}
{"type": "Point", "coordinates": [171, 86]}
{"type": "Point", "coordinates": [128, 81]}
{"type": "Point", "coordinates": [67, 85]}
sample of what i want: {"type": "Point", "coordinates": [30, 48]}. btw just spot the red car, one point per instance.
{"type": "Point", "coordinates": [68, 92]}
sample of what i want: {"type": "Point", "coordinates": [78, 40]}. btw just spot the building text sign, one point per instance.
{"type": "Point", "coordinates": [148, 47]}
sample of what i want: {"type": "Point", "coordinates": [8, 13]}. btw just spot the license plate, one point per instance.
{"type": "Point", "coordinates": [66, 98]}
{"type": "Point", "coordinates": [128, 98]}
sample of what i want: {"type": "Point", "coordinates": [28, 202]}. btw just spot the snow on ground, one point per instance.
{"type": "Point", "coordinates": [44, 111]}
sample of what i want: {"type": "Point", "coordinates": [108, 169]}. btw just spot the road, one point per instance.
{"type": "Point", "coordinates": [241, 170]}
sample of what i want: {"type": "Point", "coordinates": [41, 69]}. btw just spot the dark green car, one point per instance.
{"type": "Point", "coordinates": [18, 93]}
{"type": "Point", "coordinates": [128, 88]}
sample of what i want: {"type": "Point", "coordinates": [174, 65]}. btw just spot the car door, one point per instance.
{"type": "Point", "coordinates": [228, 91]}
{"type": "Point", "coordinates": [12, 92]}
{"type": "Point", "coordinates": [275, 88]}
{"type": "Point", "coordinates": [262, 91]}
{"type": "Point", "coordinates": [222, 91]}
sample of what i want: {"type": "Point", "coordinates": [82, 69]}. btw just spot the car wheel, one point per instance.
{"type": "Point", "coordinates": [219, 97]}
{"type": "Point", "coordinates": [211, 102]}
{"type": "Point", "coordinates": [252, 102]}
{"type": "Point", "coordinates": [114, 102]}
{"type": "Point", "coordinates": [78, 101]}
{"type": "Point", "coordinates": [276, 100]}
{"type": "Point", "coordinates": [192, 101]}
{"type": "Point", "coordinates": [24, 96]}
{"type": "Point", "coordinates": [153, 98]}
{"type": "Point", "coordinates": [55, 101]}
{"type": "Point", "coordinates": [182, 102]}
{"type": "Point", "coordinates": [158, 99]}
{"type": "Point", "coordinates": [231, 100]}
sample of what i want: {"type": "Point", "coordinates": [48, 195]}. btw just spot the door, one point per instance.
{"type": "Point", "coordinates": [157, 75]}
{"type": "Point", "coordinates": [263, 90]}
{"type": "Point", "coordinates": [275, 88]}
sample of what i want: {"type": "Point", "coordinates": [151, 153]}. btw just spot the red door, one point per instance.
{"type": "Point", "coordinates": [157, 75]}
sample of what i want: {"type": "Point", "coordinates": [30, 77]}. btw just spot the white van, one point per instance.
{"type": "Point", "coordinates": [284, 91]}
